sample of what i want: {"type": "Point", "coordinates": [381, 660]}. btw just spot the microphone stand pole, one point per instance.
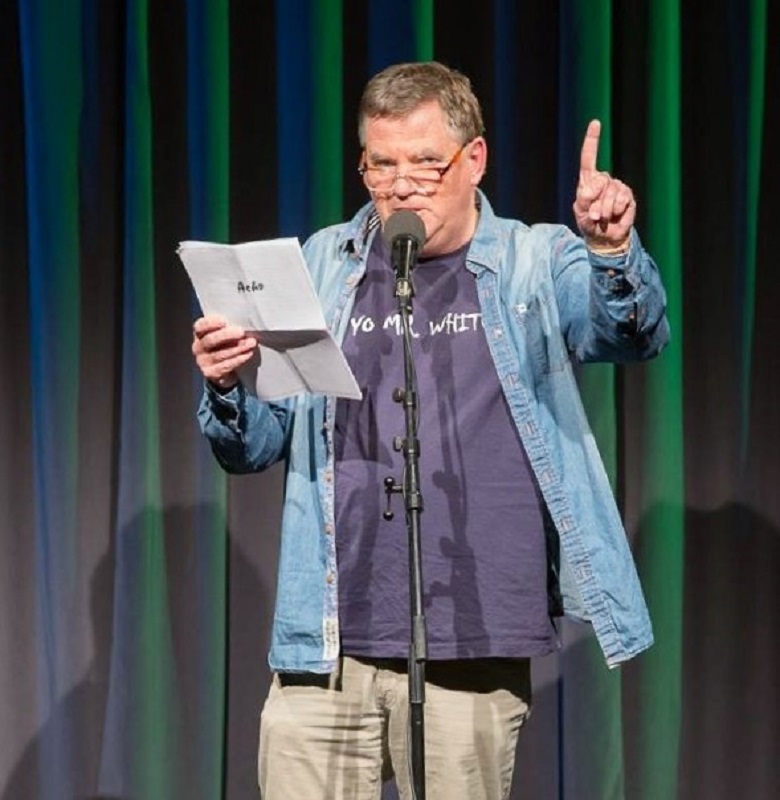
{"type": "Point", "coordinates": [413, 504]}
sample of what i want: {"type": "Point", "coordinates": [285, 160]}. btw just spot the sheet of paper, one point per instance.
{"type": "Point", "coordinates": [265, 288]}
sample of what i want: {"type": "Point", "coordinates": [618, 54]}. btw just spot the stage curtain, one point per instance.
{"type": "Point", "coordinates": [137, 580]}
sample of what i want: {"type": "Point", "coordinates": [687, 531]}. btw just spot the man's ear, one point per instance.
{"type": "Point", "coordinates": [477, 159]}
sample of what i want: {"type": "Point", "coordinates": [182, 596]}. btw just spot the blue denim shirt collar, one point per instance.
{"type": "Point", "coordinates": [355, 236]}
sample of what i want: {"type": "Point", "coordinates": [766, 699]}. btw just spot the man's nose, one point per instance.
{"type": "Point", "coordinates": [403, 186]}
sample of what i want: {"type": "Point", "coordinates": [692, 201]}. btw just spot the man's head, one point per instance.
{"type": "Point", "coordinates": [401, 88]}
{"type": "Point", "coordinates": [421, 128]}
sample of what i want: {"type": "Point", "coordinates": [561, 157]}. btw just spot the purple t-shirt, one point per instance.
{"type": "Point", "coordinates": [483, 550]}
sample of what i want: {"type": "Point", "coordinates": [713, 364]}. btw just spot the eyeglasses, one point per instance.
{"type": "Point", "coordinates": [381, 180]}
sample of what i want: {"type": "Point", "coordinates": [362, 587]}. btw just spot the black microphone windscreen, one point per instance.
{"type": "Point", "coordinates": [404, 223]}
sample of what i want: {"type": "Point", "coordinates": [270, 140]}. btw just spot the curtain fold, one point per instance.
{"type": "Point", "coordinates": [52, 84]}
{"type": "Point", "coordinates": [590, 694]}
{"type": "Point", "coordinates": [660, 464]}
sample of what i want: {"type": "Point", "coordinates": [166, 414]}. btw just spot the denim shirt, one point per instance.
{"type": "Point", "coordinates": [546, 301]}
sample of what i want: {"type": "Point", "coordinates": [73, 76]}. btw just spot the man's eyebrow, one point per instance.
{"type": "Point", "coordinates": [373, 156]}
{"type": "Point", "coordinates": [417, 155]}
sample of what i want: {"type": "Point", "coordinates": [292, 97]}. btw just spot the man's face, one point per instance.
{"type": "Point", "coordinates": [422, 139]}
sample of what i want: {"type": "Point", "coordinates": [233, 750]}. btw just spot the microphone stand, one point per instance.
{"type": "Point", "coordinates": [413, 503]}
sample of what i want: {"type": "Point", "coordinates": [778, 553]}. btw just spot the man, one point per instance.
{"type": "Point", "coordinates": [519, 523]}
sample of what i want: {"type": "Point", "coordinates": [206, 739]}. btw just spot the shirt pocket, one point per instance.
{"type": "Point", "coordinates": [541, 333]}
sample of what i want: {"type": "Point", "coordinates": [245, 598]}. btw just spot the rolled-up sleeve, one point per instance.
{"type": "Point", "coordinates": [612, 307]}
{"type": "Point", "coordinates": [245, 434]}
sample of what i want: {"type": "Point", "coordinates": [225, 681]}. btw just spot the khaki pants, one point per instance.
{"type": "Point", "coordinates": [340, 736]}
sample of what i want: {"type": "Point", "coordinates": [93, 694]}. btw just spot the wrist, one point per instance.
{"type": "Point", "coordinates": [223, 385]}
{"type": "Point", "coordinates": [608, 248]}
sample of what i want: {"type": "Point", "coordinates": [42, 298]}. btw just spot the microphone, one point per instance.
{"type": "Point", "coordinates": [404, 232]}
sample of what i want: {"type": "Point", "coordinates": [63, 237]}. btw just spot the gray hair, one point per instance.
{"type": "Point", "coordinates": [399, 89]}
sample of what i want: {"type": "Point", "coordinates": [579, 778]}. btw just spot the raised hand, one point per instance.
{"type": "Point", "coordinates": [604, 208]}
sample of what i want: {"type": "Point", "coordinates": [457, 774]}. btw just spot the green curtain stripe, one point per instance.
{"type": "Point", "coordinates": [591, 30]}
{"type": "Point", "coordinates": [663, 482]}
{"type": "Point", "coordinates": [152, 677]}
{"type": "Point", "coordinates": [423, 29]}
{"type": "Point", "coordinates": [217, 118]}
{"type": "Point", "coordinates": [756, 90]}
{"type": "Point", "coordinates": [328, 113]}
{"type": "Point", "coordinates": [592, 59]}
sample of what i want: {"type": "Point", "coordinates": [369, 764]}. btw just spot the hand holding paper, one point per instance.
{"type": "Point", "coordinates": [221, 349]}
{"type": "Point", "coordinates": [265, 289]}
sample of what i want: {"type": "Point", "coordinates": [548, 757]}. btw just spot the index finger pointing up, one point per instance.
{"type": "Point", "coordinates": [590, 147]}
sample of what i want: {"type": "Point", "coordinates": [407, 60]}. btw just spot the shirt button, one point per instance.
{"type": "Point", "coordinates": [330, 577]}
{"type": "Point", "coordinates": [329, 529]}
{"type": "Point", "coordinates": [329, 477]}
